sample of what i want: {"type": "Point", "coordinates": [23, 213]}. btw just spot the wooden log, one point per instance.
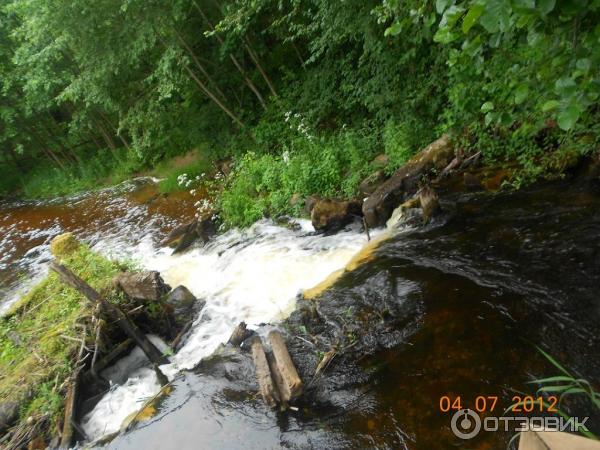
{"type": "Point", "coordinates": [105, 361]}
{"type": "Point", "coordinates": [292, 384]}
{"type": "Point", "coordinates": [153, 354]}
{"type": "Point", "coordinates": [239, 335]}
{"type": "Point", "coordinates": [268, 390]}
{"type": "Point", "coordinates": [278, 381]}
{"type": "Point", "coordinates": [68, 429]}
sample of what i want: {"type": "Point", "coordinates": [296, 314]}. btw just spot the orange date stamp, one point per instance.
{"type": "Point", "coordinates": [489, 403]}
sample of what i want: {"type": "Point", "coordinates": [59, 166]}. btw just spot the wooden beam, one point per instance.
{"type": "Point", "coordinates": [268, 390]}
{"type": "Point", "coordinates": [292, 384]}
{"type": "Point", "coordinates": [113, 311]}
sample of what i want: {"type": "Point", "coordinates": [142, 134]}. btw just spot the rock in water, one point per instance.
{"type": "Point", "coordinates": [183, 236]}
{"type": "Point", "coordinates": [379, 206]}
{"type": "Point", "coordinates": [332, 215]}
{"type": "Point", "coordinates": [429, 203]}
{"type": "Point", "coordinates": [184, 304]}
{"type": "Point", "coordinates": [147, 285]}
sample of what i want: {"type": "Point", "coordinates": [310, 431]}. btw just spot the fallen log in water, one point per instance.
{"type": "Point", "coordinates": [277, 377]}
{"type": "Point", "coordinates": [268, 390]}
{"type": "Point", "coordinates": [113, 311]}
{"type": "Point", "coordinates": [292, 384]}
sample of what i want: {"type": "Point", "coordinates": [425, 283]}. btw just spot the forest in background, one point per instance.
{"type": "Point", "coordinates": [303, 94]}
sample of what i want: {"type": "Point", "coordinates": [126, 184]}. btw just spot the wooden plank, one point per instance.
{"type": "Point", "coordinates": [292, 384]}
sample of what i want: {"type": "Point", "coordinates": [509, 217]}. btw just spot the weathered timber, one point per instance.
{"type": "Point", "coordinates": [292, 384]}
{"type": "Point", "coordinates": [105, 361]}
{"type": "Point", "coordinates": [113, 311]}
{"type": "Point", "coordinates": [239, 334]}
{"type": "Point", "coordinates": [68, 429]}
{"type": "Point", "coordinates": [268, 391]}
{"type": "Point", "coordinates": [279, 383]}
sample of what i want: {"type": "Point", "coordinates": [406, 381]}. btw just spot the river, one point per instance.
{"type": "Point", "coordinates": [480, 289]}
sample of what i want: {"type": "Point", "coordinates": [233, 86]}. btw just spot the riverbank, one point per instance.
{"type": "Point", "coordinates": [350, 322]}
{"type": "Point", "coordinates": [254, 182]}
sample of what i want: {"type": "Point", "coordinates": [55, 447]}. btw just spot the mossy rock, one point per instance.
{"type": "Point", "coordinates": [64, 245]}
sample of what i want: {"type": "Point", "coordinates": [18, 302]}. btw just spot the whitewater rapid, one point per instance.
{"type": "Point", "coordinates": [252, 275]}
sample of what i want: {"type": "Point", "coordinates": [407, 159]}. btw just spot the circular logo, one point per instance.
{"type": "Point", "coordinates": [466, 424]}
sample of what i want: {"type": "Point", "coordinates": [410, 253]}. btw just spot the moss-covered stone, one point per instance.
{"type": "Point", "coordinates": [64, 245]}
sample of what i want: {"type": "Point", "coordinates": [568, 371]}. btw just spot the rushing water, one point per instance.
{"type": "Point", "coordinates": [500, 276]}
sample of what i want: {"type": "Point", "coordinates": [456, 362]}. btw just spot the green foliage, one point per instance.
{"type": "Point", "coordinates": [39, 335]}
{"type": "Point", "coordinates": [93, 92]}
{"type": "Point", "coordinates": [264, 184]}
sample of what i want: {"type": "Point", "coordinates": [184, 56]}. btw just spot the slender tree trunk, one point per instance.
{"type": "Point", "coordinates": [200, 66]}
{"type": "Point", "coordinates": [299, 55]}
{"type": "Point", "coordinates": [45, 149]}
{"type": "Point", "coordinates": [234, 60]}
{"type": "Point", "coordinates": [115, 130]}
{"type": "Point", "coordinates": [258, 66]}
{"type": "Point", "coordinates": [214, 99]}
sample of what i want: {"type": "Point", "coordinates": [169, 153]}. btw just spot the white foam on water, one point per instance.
{"type": "Point", "coordinates": [252, 275]}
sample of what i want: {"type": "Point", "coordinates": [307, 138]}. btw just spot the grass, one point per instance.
{"type": "Point", "coordinates": [192, 163]}
{"type": "Point", "coordinates": [39, 336]}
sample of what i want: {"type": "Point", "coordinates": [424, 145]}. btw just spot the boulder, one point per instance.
{"type": "Point", "coordinates": [408, 213]}
{"type": "Point", "coordinates": [429, 201]}
{"type": "Point", "coordinates": [147, 285]}
{"type": "Point", "coordinates": [9, 413]}
{"type": "Point", "coordinates": [184, 304]}
{"type": "Point", "coordinates": [371, 183]}
{"type": "Point", "coordinates": [381, 161]}
{"type": "Point", "coordinates": [405, 181]}
{"type": "Point", "coordinates": [310, 203]}
{"type": "Point", "coordinates": [185, 235]}
{"type": "Point", "coordinates": [63, 245]}
{"type": "Point", "coordinates": [332, 215]}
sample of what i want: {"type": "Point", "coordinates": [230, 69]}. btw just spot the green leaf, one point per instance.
{"type": "Point", "coordinates": [583, 64]}
{"type": "Point", "coordinates": [546, 6]}
{"type": "Point", "coordinates": [496, 16]}
{"type": "Point", "coordinates": [393, 30]}
{"type": "Point", "coordinates": [555, 388]}
{"type": "Point", "coordinates": [565, 86]}
{"type": "Point", "coordinates": [441, 5]}
{"type": "Point", "coordinates": [521, 94]}
{"type": "Point", "coordinates": [568, 117]}
{"type": "Point", "coordinates": [550, 105]}
{"type": "Point", "coordinates": [472, 16]}
{"type": "Point", "coordinates": [487, 106]}
{"type": "Point", "coordinates": [551, 380]}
